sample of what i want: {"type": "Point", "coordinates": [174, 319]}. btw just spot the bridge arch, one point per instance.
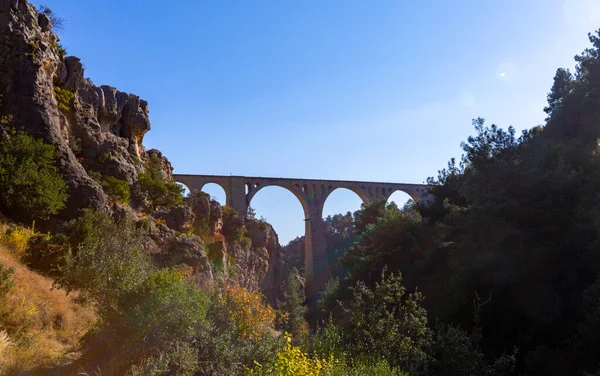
{"type": "Point", "coordinates": [400, 198]}
{"type": "Point", "coordinates": [351, 196]}
{"type": "Point", "coordinates": [298, 194]}
{"type": "Point", "coordinates": [216, 191]}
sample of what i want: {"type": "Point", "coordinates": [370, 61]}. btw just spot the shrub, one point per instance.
{"type": "Point", "coordinates": [7, 280]}
{"type": "Point", "coordinates": [292, 361]}
{"type": "Point", "coordinates": [248, 311]}
{"type": "Point", "coordinates": [293, 304]}
{"type": "Point", "coordinates": [160, 193]}
{"type": "Point", "coordinates": [60, 50]}
{"type": "Point", "coordinates": [107, 259]}
{"type": "Point", "coordinates": [96, 175]}
{"type": "Point", "coordinates": [64, 98]}
{"type": "Point", "coordinates": [45, 253]}
{"type": "Point", "coordinates": [386, 323]}
{"type": "Point", "coordinates": [229, 211]}
{"type": "Point", "coordinates": [75, 145]}
{"type": "Point", "coordinates": [104, 157]}
{"type": "Point", "coordinates": [328, 340]}
{"type": "Point", "coordinates": [361, 368]}
{"type": "Point", "coordinates": [17, 238]}
{"type": "Point", "coordinates": [117, 189]}
{"type": "Point", "coordinates": [30, 184]}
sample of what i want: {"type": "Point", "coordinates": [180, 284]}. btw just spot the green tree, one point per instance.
{"type": "Point", "coordinates": [117, 189]}
{"type": "Point", "coordinates": [293, 304]}
{"type": "Point", "coordinates": [159, 191]}
{"type": "Point", "coordinates": [387, 323]}
{"type": "Point", "coordinates": [30, 184]}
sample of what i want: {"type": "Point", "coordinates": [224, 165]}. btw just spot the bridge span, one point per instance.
{"type": "Point", "coordinates": [311, 193]}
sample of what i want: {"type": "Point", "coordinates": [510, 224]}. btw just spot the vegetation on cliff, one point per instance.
{"type": "Point", "coordinates": [30, 183]}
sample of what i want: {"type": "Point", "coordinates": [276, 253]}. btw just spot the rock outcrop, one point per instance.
{"type": "Point", "coordinates": [247, 250]}
{"type": "Point", "coordinates": [98, 132]}
{"type": "Point", "coordinates": [29, 64]}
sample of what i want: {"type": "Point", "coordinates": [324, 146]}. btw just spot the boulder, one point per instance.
{"type": "Point", "coordinates": [178, 218]}
{"type": "Point", "coordinates": [189, 250]}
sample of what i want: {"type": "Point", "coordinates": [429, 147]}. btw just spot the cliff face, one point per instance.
{"type": "Point", "coordinates": [98, 132]}
{"type": "Point", "coordinates": [244, 249]}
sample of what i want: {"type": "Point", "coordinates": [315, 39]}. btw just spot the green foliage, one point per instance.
{"type": "Point", "coordinates": [107, 260]}
{"type": "Point", "coordinates": [104, 157]}
{"type": "Point", "coordinates": [30, 184]}
{"type": "Point", "coordinates": [228, 211]}
{"type": "Point", "coordinates": [60, 50]}
{"type": "Point", "coordinates": [293, 305]}
{"type": "Point", "coordinates": [160, 193]}
{"type": "Point", "coordinates": [339, 237]}
{"type": "Point", "coordinates": [96, 175]}
{"type": "Point", "coordinates": [75, 145]}
{"type": "Point", "coordinates": [329, 340]}
{"type": "Point", "coordinates": [154, 321]}
{"type": "Point", "coordinates": [387, 324]}
{"type": "Point", "coordinates": [361, 368]}
{"type": "Point", "coordinates": [117, 189]}
{"type": "Point", "coordinates": [163, 308]}
{"type": "Point", "coordinates": [64, 97]}
{"type": "Point", "coordinates": [179, 358]}
{"type": "Point", "coordinates": [45, 253]}
{"type": "Point", "coordinates": [7, 280]}
{"type": "Point", "coordinates": [516, 218]}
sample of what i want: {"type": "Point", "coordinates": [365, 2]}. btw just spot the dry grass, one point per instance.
{"type": "Point", "coordinates": [42, 325]}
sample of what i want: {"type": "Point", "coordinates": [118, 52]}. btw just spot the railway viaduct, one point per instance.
{"type": "Point", "coordinates": [312, 194]}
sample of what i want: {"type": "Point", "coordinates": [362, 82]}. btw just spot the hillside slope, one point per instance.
{"type": "Point", "coordinates": [39, 326]}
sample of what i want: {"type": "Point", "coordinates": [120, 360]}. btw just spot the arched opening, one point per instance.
{"type": "Point", "coordinates": [338, 212]}
{"type": "Point", "coordinates": [186, 190]}
{"type": "Point", "coordinates": [341, 201]}
{"type": "Point", "coordinates": [401, 199]}
{"type": "Point", "coordinates": [216, 192]}
{"type": "Point", "coordinates": [283, 210]}
{"type": "Point", "coordinates": [279, 207]}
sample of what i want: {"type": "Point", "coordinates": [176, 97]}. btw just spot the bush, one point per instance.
{"type": "Point", "coordinates": [30, 184]}
{"type": "Point", "coordinates": [75, 145]}
{"type": "Point", "coordinates": [45, 253]}
{"type": "Point", "coordinates": [64, 98]}
{"type": "Point", "coordinates": [248, 311]}
{"type": "Point", "coordinates": [17, 238]}
{"type": "Point", "coordinates": [117, 189]}
{"type": "Point", "coordinates": [60, 50]}
{"type": "Point", "coordinates": [292, 361]}
{"type": "Point", "coordinates": [386, 324]}
{"type": "Point", "coordinates": [293, 305]}
{"type": "Point", "coordinates": [7, 280]}
{"type": "Point", "coordinates": [160, 193]}
{"type": "Point", "coordinates": [106, 260]}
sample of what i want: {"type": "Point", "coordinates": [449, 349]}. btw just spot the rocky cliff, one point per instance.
{"type": "Point", "coordinates": [98, 132]}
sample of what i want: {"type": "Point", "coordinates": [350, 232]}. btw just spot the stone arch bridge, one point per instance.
{"type": "Point", "coordinates": [312, 194]}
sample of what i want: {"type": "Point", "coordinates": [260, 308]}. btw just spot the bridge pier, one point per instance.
{"type": "Point", "coordinates": [236, 195]}
{"type": "Point", "coordinates": [312, 195]}
{"type": "Point", "coordinates": [316, 260]}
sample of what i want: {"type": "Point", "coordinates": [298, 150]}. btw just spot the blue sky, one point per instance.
{"type": "Point", "coordinates": [336, 89]}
